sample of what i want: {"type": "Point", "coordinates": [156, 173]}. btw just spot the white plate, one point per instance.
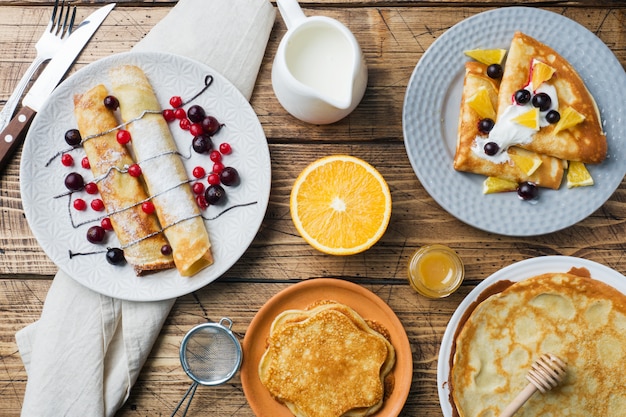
{"type": "Point", "coordinates": [431, 111]}
{"type": "Point", "coordinates": [514, 273]}
{"type": "Point", "coordinates": [230, 234]}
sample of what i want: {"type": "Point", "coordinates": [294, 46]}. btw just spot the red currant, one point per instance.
{"type": "Point", "coordinates": [85, 163]}
{"type": "Point", "coordinates": [147, 207]}
{"type": "Point", "coordinates": [106, 224]}
{"type": "Point", "coordinates": [225, 148]}
{"type": "Point", "coordinates": [198, 188]}
{"type": "Point", "coordinates": [185, 124]}
{"type": "Point", "coordinates": [122, 136]}
{"type": "Point", "coordinates": [91, 188]}
{"type": "Point", "coordinates": [199, 172]}
{"type": "Point", "coordinates": [134, 170]}
{"type": "Point", "coordinates": [67, 160]}
{"type": "Point", "coordinates": [214, 179]}
{"type": "Point", "coordinates": [79, 204]}
{"type": "Point", "coordinates": [196, 129]}
{"type": "Point", "coordinates": [201, 201]}
{"type": "Point", "coordinates": [180, 114]}
{"type": "Point", "coordinates": [215, 156]}
{"type": "Point", "coordinates": [176, 101]}
{"type": "Point", "coordinates": [97, 204]}
{"type": "Point", "coordinates": [168, 115]}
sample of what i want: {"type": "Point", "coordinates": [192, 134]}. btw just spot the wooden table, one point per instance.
{"type": "Point", "coordinates": [393, 35]}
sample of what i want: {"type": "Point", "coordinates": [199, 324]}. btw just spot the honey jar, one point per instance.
{"type": "Point", "coordinates": [435, 271]}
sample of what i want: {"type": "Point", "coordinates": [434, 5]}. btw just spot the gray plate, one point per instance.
{"type": "Point", "coordinates": [431, 110]}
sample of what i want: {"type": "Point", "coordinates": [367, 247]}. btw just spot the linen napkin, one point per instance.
{"type": "Point", "coordinates": [84, 354]}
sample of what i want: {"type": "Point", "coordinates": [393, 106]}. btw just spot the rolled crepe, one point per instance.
{"type": "Point", "coordinates": [163, 170]}
{"type": "Point", "coordinates": [138, 232]}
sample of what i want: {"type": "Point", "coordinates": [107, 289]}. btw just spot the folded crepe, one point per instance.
{"type": "Point", "coordinates": [163, 170]}
{"type": "Point", "coordinates": [584, 142]}
{"type": "Point", "coordinates": [138, 232]}
{"type": "Point", "coordinates": [549, 174]}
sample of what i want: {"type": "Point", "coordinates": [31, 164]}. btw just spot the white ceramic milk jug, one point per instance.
{"type": "Point", "coordinates": [319, 73]}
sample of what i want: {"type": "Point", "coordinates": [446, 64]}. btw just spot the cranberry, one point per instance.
{"type": "Point", "coordinates": [201, 201]}
{"type": "Point", "coordinates": [111, 102]}
{"type": "Point", "coordinates": [97, 204]}
{"type": "Point", "coordinates": [166, 250]}
{"type": "Point", "coordinates": [196, 113]}
{"type": "Point", "coordinates": [196, 129]}
{"type": "Point", "coordinates": [522, 96]}
{"type": "Point", "coordinates": [202, 143]}
{"type": "Point", "coordinates": [218, 167]}
{"type": "Point", "coordinates": [79, 204]}
{"type": "Point", "coordinates": [85, 163]}
{"type": "Point", "coordinates": [74, 181]}
{"type": "Point", "coordinates": [491, 148]}
{"type": "Point", "coordinates": [494, 71]}
{"type": "Point", "coordinates": [225, 148]}
{"type": "Point", "coordinates": [527, 191]}
{"type": "Point", "coordinates": [214, 194]}
{"type": "Point", "coordinates": [168, 115]}
{"type": "Point", "coordinates": [199, 172]}
{"type": "Point", "coordinates": [213, 179]}
{"type": "Point", "coordinates": [67, 160]}
{"type": "Point", "coordinates": [122, 136]}
{"type": "Point", "coordinates": [176, 101]}
{"type": "Point", "coordinates": [73, 137]}
{"type": "Point", "coordinates": [180, 114]}
{"type": "Point", "coordinates": [542, 100]}
{"type": "Point", "coordinates": [215, 156]}
{"type": "Point", "coordinates": [115, 256]}
{"type": "Point", "coordinates": [553, 116]}
{"type": "Point", "coordinates": [106, 224]}
{"type": "Point", "coordinates": [95, 234]}
{"type": "Point", "coordinates": [148, 207]}
{"type": "Point", "coordinates": [184, 124]}
{"type": "Point", "coordinates": [134, 170]}
{"type": "Point", "coordinates": [91, 188]}
{"type": "Point", "coordinates": [198, 188]}
{"type": "Point", "coordinates": [211, 125]}
{"type": "Point", "coordinates": [229, 176]}
{"type": "Point", "coordinates": [485, 125]}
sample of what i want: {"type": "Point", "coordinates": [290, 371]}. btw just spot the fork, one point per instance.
{"type": "Point", "coordinates": [57, 31]}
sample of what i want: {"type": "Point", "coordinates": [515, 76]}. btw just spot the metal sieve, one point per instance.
{"type": "Point", "coordinates": [210, 355]}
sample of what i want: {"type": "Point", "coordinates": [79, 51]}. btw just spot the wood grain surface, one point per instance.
{"type": "Point", "coordinates": [393, 36]}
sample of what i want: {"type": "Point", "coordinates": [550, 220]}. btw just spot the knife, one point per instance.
{"type": "Point", "coordinates": [15, 132]}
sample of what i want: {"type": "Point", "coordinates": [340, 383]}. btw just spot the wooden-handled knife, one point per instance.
{"type": "Point", "coordinates": [15, 132]}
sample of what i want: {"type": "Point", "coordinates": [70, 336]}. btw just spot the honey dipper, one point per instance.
{"type": "Point", "coordinates": [547, 372]}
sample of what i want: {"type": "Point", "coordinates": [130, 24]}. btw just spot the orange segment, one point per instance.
{"type": "Point", "coordinates": [529, 119]}
{"type": "Point", "coordinates": [487, 56]}
{"type": "Point", "coordinates": [340, 204]}
{"type": "Point", "coordinates": [498, 185]}
{"type": "Point", "coordinates": [578, 175]}
{"type": "Point", "coordinates": [569, 118]}
{"type": "Point", "coordinates": [541, 73]}
{"type": "Point", "coordinates": [481, 103]}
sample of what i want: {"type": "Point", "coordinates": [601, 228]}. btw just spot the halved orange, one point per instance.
{"type": "Point", "coordinates": [340, 204]}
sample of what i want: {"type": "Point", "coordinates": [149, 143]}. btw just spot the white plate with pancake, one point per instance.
{"type": "Point", "coordinates": [431, 110]}
{"type": "Point", "coordinates": [497, 282]}
{"type": "Point", "coordinates": [367, 304]}
{"type": "Point", "coordinates": [231, 232]}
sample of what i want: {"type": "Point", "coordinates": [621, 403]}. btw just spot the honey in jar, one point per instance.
{"type": "Point", "coordinates": [435, 271]}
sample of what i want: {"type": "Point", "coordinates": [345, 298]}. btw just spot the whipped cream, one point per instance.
{"type": "Point", "coordinates": [507, 133]}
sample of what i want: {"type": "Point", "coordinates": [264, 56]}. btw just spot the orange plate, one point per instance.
{"type": "Point", "coordinates": [299, 296]}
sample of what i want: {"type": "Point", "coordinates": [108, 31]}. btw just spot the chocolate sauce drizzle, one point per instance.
{"type": "Point", "coordinates": [208, 80]}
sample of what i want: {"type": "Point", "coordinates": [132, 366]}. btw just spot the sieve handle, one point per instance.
{"type": "Point", "coordinates": [192, 391]}
{"type": "Point", "coordinates": [229, 321]}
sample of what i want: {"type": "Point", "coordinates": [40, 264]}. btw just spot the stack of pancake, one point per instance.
{"type": "Point", "coordinates": [327, 361]}
{"type": "Point", "coordinates": [577, 318]}
{"type": "Point", "coordinates": [584, 142]}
